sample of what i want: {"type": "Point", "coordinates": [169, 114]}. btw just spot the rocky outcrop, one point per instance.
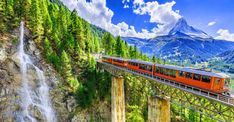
{"type": "Point", "coordinates": [65, 105]}
{"type": "Point", "coordinates": [10, 78]}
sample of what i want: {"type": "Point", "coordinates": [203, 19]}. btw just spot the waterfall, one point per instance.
{"type": "Point", "coordinates": [34, 95]}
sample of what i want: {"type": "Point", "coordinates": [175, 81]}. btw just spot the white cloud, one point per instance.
{"type": "Point", "coordinates": [125, 1]}
{"type": "Point", "coordinates": [225, 35]}
{"type": "Point", "coordinates": [126, 6]}
{"type": "Point", "coordinates": [162, 14]}
{"type": "Point", "coordinates": [97, 13]}
{"type": "Point", "coordinates": [211, 23]}
{"type": "Point", "coordinates": [138, 2]}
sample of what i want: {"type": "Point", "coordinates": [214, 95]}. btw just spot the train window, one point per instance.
{"type": "Point", "coordinates": [181, 73]}
{"type": "Point", "coordinates": [161, 70]}
{"type": "Point", "coordinates": [133, 63]}
{"type": "Point", "coordinates": [157, 70]}
{"type": "Point", "coordinates": [217, 81]}
{"type": "Point", "coordinates": [196, 77]}
{"type": "Point", "coordinates": [119, 61]}
{"type": "Point", "coordinates": [145, 67]}
{"type": "Point", "coordinates": [141, 66]}
{"type": "Point", "coordinates": [206, 79]}
{"type": "Point", "coordinates": [150, 68]}
{"type": "Point", "coordinates": [172, 73]}
{"type": "Point", "coordinates": [189, 75]}
{"type": "Point", "coordinates": [166, 72]}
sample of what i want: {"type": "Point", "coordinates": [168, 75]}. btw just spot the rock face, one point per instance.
{"type": "Point", "coordinates": [10, 78]}
{"type": "Point", "coordinates": [10, 83]}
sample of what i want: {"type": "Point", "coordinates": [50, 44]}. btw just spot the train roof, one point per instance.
{"type": "Point", "coordinates": [191, 70]}
{"type": "Point", "coordinates": [185, 69]}
{"type": "Point", "coordinates": [118, 58]}
{"type": "Point", "coordinates": [142, 62]}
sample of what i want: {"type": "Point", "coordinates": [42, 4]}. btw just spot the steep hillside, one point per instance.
{"type": "Point", "coordinates": [66, 43]}
{"type": "Point", "coordinates": [227, 56]}
{"type": "Point", "coordinates": [223, 62]}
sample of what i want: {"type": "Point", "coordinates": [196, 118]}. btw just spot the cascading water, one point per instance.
{"type": "Point", "coordinates": [34, 94]}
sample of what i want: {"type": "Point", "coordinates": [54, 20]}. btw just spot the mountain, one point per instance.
{"type": "Point", "coordinates": [227, 56]}
{"type": "Point", "coordinates": [182, 28]}
{"type": "Point", "coordinates": [183, 43]}
{"type": "Point", "coordinates": [223, 62]}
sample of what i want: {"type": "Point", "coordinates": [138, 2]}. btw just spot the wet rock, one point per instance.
{"type": "Point", "coordinates": [11, 79]}
{"type": "Point", "coordinates": [71, 102]}
{"type": "Point", "coordinates": [12, 66]}
{"type": "Point", "coordinates": [3, 54]}
{"type": "Point", "coordinates": [3, 75]}
{"type": "Point", "coordinates": [15, 58]}
{"type": "Point", "coordinates": [35, 112]}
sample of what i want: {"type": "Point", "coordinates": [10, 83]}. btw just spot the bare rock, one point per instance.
{"type": "Point", "coordinates": [3, 55]}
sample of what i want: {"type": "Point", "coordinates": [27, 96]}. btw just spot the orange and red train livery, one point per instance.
{"type": "Point", "coordinates": [214, 82]}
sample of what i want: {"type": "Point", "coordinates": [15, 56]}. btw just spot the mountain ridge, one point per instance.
{"type": "Point", "coordinates": [182, 27]}
{"type": "Point", "coordinates": [181, 44]}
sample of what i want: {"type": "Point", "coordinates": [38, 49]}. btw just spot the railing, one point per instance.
{"type": "Point", "coordinates": [227, 100]}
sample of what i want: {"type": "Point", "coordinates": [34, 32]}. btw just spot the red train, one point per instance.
{"type": "Point", "coordinates": [214, 82]}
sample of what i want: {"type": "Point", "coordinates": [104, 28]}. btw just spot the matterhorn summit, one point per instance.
{"type": "Point", "coordinates": [182, 28]}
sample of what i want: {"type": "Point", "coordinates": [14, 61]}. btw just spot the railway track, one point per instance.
{"type": "Point", "coordinates": [224, 99]}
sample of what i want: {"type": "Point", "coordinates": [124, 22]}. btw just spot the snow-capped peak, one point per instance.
{"type": "Point", "coordinates": [182, 27]}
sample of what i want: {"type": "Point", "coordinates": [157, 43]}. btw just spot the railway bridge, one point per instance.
{"type": "Point", "coordinates": [216, 106]}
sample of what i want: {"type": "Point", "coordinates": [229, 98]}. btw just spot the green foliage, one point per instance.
{"type": "Point", "coordinates": [154, 59]}
{"type": "Point", "coordinates": [135, 114]}
{"type": "Point", "coordinates": [35, 22]}
{"type": "Point", "coordinates": [108, 43]}
{"type": "Point", "coordinates": [66, 70]}
{"type": "Point", "coordinates": [67, 41]}
{"type": "Point", "coordinates": [103, 85]}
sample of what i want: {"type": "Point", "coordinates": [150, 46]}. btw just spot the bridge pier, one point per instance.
{"type": "Point", "coordinates": [159, 109]}
{"type": "Point", "coordinates": [117, 100]}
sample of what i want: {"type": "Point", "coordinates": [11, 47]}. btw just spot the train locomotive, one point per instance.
{"type": "Point", "coordinates": [214, 82]}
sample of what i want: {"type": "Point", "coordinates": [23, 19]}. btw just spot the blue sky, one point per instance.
{"type": "Point", "coordinates": [150, 18]}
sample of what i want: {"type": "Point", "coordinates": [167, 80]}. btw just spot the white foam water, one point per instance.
{"type": "Point", "coordinates": [35, 100]}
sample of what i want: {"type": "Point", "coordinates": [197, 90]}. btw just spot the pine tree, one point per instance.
{"type": "Point", "coordinates": [77, 53]}
{"type": "Point", "coordinates": [47, 22]}
{"type": "Point", "coordinates": [9, 8]}
{"type": "Point", "coordinates": [26, 4]}
{"type": "Point", "coordinates": [108, 43]}
{"type": "Point", "coordinates": [66, 68]}
{"type": "Point", "coordinates": [135, 53]}
{"type": "Point", "coordinates": [118, 47]}
{"type": "Point", "coordinates": [96, 45]}
{"type": "Point", "coordinates": [36, 20]}
{"type": "Point", "coordinates": [88, 38]}
{"type": "Point", "coordinates": [154, 59]}
{"type": "Point", "coordinates": [47, 47]}
{"type": "Point", "coordinates": [77, 29]}
{"type": "Point", "coordinates": [2, 10]}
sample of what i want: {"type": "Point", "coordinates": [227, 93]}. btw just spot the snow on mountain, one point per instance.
{"type": "Point", "coordinates": [183, 42]}
{"type": "Point", "coordinates": [182, 27]}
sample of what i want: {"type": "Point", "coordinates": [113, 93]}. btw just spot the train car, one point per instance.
{"type": "Point", "coordinates": [107, 59]}
{"type": "Point", "coordinates": [115, 61]}
{"type": "Point", "coordinates": [215, 82]}
{"type": "Point", "coordinates": [141, 66]}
